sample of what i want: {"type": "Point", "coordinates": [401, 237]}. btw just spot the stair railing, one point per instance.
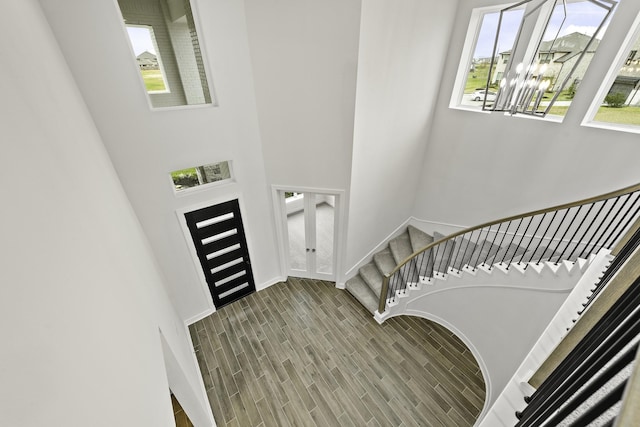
{"type": "Point", "coordinates": [560, 233]}
{"type": "Point", "coordinates": [591, 368]}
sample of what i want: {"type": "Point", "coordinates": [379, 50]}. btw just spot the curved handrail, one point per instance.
{"type": "Point", "coordinates": [591, 200]}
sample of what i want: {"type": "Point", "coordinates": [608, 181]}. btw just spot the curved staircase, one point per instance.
{"type": "Point", "coordinates": [463, 257]}
{"type": "Point", "coordinates": [367, 284]}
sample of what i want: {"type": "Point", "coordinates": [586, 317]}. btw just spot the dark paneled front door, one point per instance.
{"type": "Point", "coordinates": [219, 239]}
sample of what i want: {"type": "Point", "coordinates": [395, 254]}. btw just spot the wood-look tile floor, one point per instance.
{"type": "Point", "coordinates": [303, 353]}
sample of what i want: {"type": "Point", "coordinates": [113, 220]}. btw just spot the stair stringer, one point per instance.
{"type": "Point", "coordinates": [499, 314]}
{"type": "Point", "coordinates": [511, 398]}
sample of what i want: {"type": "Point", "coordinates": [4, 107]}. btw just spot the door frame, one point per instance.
{"type": "Point", "coordinates": [281, 225]}
{"type": "Point", "coordinates": [186, 233]}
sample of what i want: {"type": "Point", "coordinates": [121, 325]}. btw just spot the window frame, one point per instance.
{"type": "Point", "coordinates": [158, 58]}
{"type": "Point", "coordinates": [206, 186]}
{"type": "Point", "coordinates": [621, 57]}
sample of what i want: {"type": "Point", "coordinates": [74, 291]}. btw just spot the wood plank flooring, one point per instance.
{"type": "Point", "coordinates": [303, 353]}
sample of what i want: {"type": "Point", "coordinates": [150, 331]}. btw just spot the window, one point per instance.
{"type": "Point", "coordinates": [146, 51]}
{"type": "Point", "coordinates": [569, 42]}
{"type": "Point", "coordinates": [184, 179]}
{"type": "Point", "coordinates": [479, 52]}
{"type": "Point", "coordinates": [540, 50]}
{"type": "Point", "coordinates": [167, 51]}
{"type": "Point", "coordinates": [618, 102]}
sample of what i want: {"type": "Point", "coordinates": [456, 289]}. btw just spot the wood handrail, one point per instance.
{"type": "Point", "coordinates": [595, 199]}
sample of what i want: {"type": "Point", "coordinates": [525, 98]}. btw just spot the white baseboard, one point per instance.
{"type": "Point", "coordinates": [190, 321]}
{"type": "Point", "coordinates": [432, 226]}
{"type": "Point", "coordinates": [270, 283]}
{"type": "Point", "coordinates": [421, 224]}
{"type": "Point", "coordinates": [351, 272]}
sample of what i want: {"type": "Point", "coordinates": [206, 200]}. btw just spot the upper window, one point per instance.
{"type": "Point", "coordinates": [539, 52]}
{"type": "Point", "coordinates": [146, 49]}
{"type": "Point", "coordinates": [167, 51]}
{"type": "Point", "coordinates": [184, 179]}
{"type": "Point", "coordinates": [482, 36]}
{"type": "Point", "coordinates": [618, 102]}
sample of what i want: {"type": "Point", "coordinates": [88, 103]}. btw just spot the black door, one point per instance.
{"type": "Point", "coordinates": [218, 236]}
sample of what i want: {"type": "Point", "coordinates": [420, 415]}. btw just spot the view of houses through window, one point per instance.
{"type": "Point", "coordinates": [476, 81]}
{"type": "Point", "coordinates": [167, 50]}
{"type": "Point", "coordinates": [145, 49]}
{"type": "Point", "coordinates": [569, 39]}
{"type": "Point", "coordinates": [621, 104]}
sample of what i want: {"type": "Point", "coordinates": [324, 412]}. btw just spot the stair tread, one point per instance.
{"type": "Point", "coordinates": [542, 253]}
{"type": "Point", "coordinates": [384, 261]}
{"type": "Point", "coordinates": [506, 253]}
{"type": "Point", "coordinates": [361, 291]}
{"type": "Point", "coordinates": [372, 277]}
{"type": "Point", "coordinates": [418, 238]}
{"type": "Point", "coordinates": [463, 254]}
{"type": "Point", "coordinates": [443, 253]}
{"type": "Point", "coordinates": [487, 250]}
{"type": "Point", "coordinates": [400, 247]}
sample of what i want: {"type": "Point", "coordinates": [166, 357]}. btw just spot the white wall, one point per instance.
{"type": "Point", "coordinates": [145, 145]}
{"type": "Point", "coordinates": [402, 47]}
{"type": "Point", "coordinates": [501, 324]}
{"type": "Point", "coordinates": [481, 167]}
{"type": "Point", "coordinates": [304, 55]}
{"type": "Point", "coordinates": [82, 300]}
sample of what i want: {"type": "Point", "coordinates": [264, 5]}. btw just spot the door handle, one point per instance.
{"type": "Point", "coordinates": [313, 250]}
{"type": "Point", "coordinates": [308, 249]}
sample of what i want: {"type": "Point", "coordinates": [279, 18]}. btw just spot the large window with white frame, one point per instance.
{"type": "Point", "coordinates": [539, 52]}
{"type": "Point", "coordinates": [167, 51]}
{"type": "Point", "coordinates": [617, 105]}
{"type": "Point", "coordinates": [478, 53]}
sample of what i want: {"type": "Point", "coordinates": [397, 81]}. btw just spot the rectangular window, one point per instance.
{"type": "Point", "coordinates": [167, 50]}
{"type": "Point", "coordinates": [618, 102]}
{"type": "Point", "coordinates": [146, 50]}
{"type": "Point", "coordinates": [184, 179]}
{"type": "Point", "coordinates": [480, 42]}
{"type": "Point", "coordinates": [539, 50]}
{"type": "Point", "coordinates": [568, 44]}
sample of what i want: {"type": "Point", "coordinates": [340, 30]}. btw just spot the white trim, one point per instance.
{"type": "Point", "coordinates": [378, 248]}
{"type": "Point", "coordinates": [206, 186]}
{"type": "Point", "coordinates": [607, 82]}
{"type": "Point", "coordinates": [204, 286]}
{"type": "Point", "coordinates": [191, 399]}
{"type": "Point", "coordinates": [180, 107]}
{"type": "Point", "coordinates": [198, 317]}
{"type": "Point", "coordinates": [475, 22]}
{"type": "Point", "coordinates": [470, 346]}
{"type": "Point", "coordinates": [205, 63]}
{"type": "Point", "coordinates": [280, 211]}
{"type": "Point", "coordinates": [270, 282]}
{"type": "Point", "coordinates": [419, 223]}
{"type": "Point", "coordinates": [163, 73]}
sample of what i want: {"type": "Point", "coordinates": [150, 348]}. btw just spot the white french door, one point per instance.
{"type": "Point", "coordinates": [310, 224]}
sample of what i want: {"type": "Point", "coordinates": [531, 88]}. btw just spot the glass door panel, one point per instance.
{"type": "Point", "coordinates": [325, 219]}
{"type": "Point", "coordinates": [310, 224]}
{"type": "Point", "coordinates": [296, 229]}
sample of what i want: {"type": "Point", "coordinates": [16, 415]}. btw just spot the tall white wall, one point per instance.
{"type": "Point", "coordinates": [304, 55]}
{"type": "Point", "coordinates": [82, 300]}
{"type": "Point", "coordinates": [481, 167]}
{"type": "Point", "coordinates": [402, 47]}
{"type": "Point", "coordinates": [145, 145]}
